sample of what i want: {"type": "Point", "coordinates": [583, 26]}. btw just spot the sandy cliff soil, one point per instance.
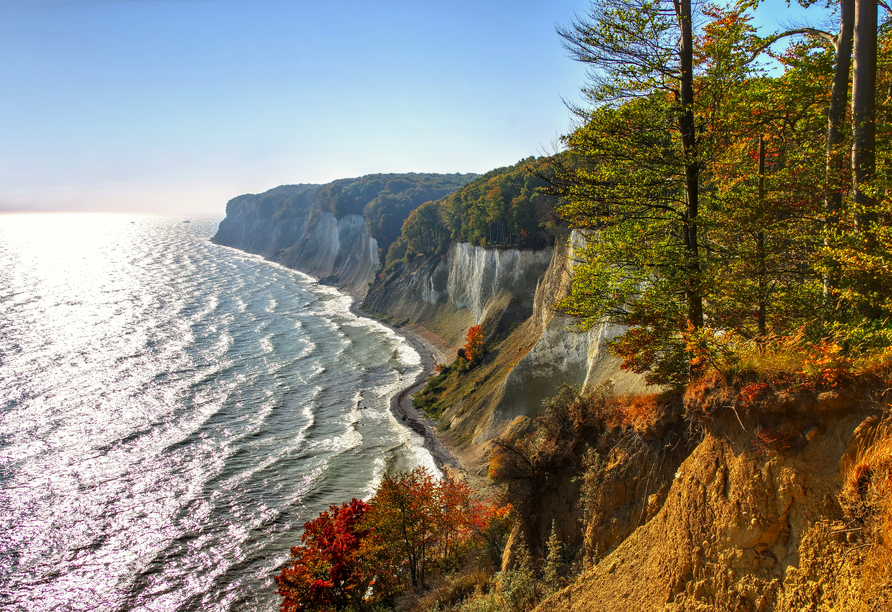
{"type": "Point", "coordinates": [771, 511]}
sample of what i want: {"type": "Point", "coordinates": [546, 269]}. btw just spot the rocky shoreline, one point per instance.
{"type": "Point", "coordinates": [401, 404]}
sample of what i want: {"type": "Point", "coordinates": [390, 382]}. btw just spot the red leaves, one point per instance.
{"type": "Point", "coordinates": [362, 553]}
{"type": "Point", "coordinates": [419, 525]}
{"type": "Point", "coordinates": [474, 344]}
{"type": "Point", "coordinates": [752, 393]}
{"type": "Point", "coordinates": [327, 571]}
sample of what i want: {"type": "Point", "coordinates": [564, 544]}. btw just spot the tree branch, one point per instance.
{"type": "Point", "coordinates": [773, 39]}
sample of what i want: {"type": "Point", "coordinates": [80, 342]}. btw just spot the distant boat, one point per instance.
{"type": "Point", "coordinates": [187, 221]}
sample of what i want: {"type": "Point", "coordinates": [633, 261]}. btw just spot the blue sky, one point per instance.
{"type": "Point", "coordinates": [176, 106]}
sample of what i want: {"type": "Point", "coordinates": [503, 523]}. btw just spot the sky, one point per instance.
{"type": "Point", "coordinates": [177, 106]}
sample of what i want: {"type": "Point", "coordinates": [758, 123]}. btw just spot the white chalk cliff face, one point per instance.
{"type": "Point", "coordinates": [508, 291]}
{"type": "Point", "coordinates": [341, 252]}
{"type": "Point", "coordinates": [559, 355]}
{"type": "Point", "coordinates": [479, 278]}
{"type": "Point", "coordinates": [467, 286]}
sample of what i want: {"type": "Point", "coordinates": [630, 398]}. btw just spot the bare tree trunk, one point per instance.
{"type": "Point", "coordinates": [836, 115]}
{"type": "Point", "coordinates": [760, 246]}
{"type": "Point", "coordinates": [692, 163]}
{"type": "Point", "coordinates": [863, 108]}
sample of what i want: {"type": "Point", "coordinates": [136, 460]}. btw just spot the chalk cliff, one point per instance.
{"type": "Point", "coordinates": [559, 356]}
{"type": "Point", "coordinates": [342, 251]}
{"type": "Point", "coordinates": [329, 231]}
{"type": "Point", "coordinates": [254, 223]}
{"type": "Point", "coordinates": [467, 286]}
{"type": "Point", "coordinates": [532, 352]}
{"type": "Point", "coordinates": [338, 231]}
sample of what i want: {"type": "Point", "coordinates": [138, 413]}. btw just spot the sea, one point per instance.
{"type": "Point", "coordinates": [173, 411]}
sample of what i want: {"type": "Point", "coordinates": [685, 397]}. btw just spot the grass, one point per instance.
{"type": "Point", "coordinates": [794, 362]}
{"type": "Point", "coordinates": [867, 499]}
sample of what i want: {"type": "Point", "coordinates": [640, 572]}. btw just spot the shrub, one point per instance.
{"type": "Point", "coordinates": [413, 529]}
{"type": "Point", "coordinates": [473, 349]}
{"type": "Point", "coordinates": [328, 570]}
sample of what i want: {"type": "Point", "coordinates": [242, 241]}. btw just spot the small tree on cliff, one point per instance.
{"type": "Point", "coordinates": [473, 349]}
{"type": "Point", "coordinates": [328, 572]}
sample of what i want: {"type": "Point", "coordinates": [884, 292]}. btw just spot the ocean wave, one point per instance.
{"type": "Point", "coordinates": [174, 411]}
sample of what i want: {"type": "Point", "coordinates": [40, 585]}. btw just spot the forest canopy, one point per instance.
{"type": "Point", "coordinates": [505, 207]}
{"type": "Point", "coordinates": [718, 202]}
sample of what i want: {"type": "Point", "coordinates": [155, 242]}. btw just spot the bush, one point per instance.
{"type": "Point", "coordinates": [413, 530]}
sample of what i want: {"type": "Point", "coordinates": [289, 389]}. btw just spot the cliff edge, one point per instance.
{"type": "Point", "coordinates": [782, 505]}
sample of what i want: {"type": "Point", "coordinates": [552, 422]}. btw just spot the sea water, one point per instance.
{"type": "Point", "coordinates": [173, 411]}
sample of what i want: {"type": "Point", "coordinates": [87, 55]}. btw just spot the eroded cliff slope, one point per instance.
{"type": "Point", "coordinates": [467, 286]}
{"type": "Point", "coordinates": [782, 506]}
{"type": "Point", "coordinates": [531, 351]}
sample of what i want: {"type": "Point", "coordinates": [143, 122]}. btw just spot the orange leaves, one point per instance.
{"type": "Point", "coordinates": [639, 411]}
{"type": "Point", "coordinates": [364, 553]}
{"type": "Point", "coordinates": [474, 344]}
{"type": "Point", "coordinates": [827, 365]}
{"type": "Point", "coordinates": [419, 525]}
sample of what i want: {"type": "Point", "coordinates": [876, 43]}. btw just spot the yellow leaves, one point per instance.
{"type": "Point", "coordinates": [708, 348]}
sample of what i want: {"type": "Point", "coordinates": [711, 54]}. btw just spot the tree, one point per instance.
{"type": "Point", "coordinates": [327, 571]}
{"type": "Point", "coordinates": [859, 246]}
{"type": "Point", "coordinates": [506, 206]}
{"type": "Point", "coordinates": [863, 113]}
{"type": "Point", "coordinates": [553, 561]}
{"type": "Point", "coordinates": [360, 554]}
{"type": "Point", "coordinates": [766, 191]}
{"type": "Point", "coordinates": [418, 525]}
{"type": "Point", "coordinates": [424, 231]}
{"type": "Point", "coordinates": [634, 191]}
{"type": "Point", "coordinates": [642, 56]}
{"type": "Point", "coordinates": [836, 113]}
{"type": "Point", "coordinates": [473, 349]}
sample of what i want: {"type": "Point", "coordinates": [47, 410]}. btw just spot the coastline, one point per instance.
{"type": "Point", "coordinates": [401, 404]}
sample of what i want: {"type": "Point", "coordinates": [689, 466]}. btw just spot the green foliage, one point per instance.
{"type": "Point", "coordinates": [633, 187]}
{"type": "Point", "coordinates": [506, 206]}
{"type": "Point", "coordinates": [423, 232]}
{"type": "Point", "coordinates": [514, 590]}
{"type": "Point", "coordinates": [386, 200]}
{"type": "Point", "coordinates": [429, 399]}
{"type": "Point", "coordinates": [554, 562]}
{"type": "Point", "coordinates": [433, 398]}
{"type": "Point", "coordinates": [362, 554]}
{"type": "Point", "coordinates": [283, 202]}
{"type": "Point", "coordinates": [764, 243]}
{"type": "Point", "coordinates": [396, 253]}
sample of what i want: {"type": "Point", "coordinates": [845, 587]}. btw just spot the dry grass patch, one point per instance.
{"type": "Point", "coordinates": [867, 500]}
